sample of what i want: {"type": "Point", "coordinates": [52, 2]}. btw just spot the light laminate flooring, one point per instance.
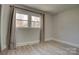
{"type": "Point", "coordinates": [46, 48]}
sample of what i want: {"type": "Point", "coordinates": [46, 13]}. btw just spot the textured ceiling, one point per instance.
{"type": "Point", "coordinates": [52, 8]}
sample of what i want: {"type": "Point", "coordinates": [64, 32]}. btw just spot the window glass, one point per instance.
{"type": "Point", "coordinates": [21, 20]}
{"type": "Point", "coordinates": [35, 22]}
{"type": "Point", "coordinates": [21, 16]}
{"type": "Point", "coordinates": [21, 23]}
{"type": "Point", "coordinates": [34, 18]}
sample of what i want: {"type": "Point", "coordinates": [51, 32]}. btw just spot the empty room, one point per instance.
{"type": "Point", "coordinates": [39, 29]}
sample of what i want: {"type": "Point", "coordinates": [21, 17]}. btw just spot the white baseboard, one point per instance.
{"type": "Point", "coordinates": [61, 41]}
{"type": "Point", "coordinates": [27, 43]}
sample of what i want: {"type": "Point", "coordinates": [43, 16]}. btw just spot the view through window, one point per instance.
{"type": "Point", "coordinates": [22, 20]}
{"type": "Point", "coordinates": [35, 22]}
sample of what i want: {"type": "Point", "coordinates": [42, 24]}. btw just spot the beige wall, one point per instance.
{"type": "Point", "coordinates": [66, 27]}
{"type": "Point", "coordinates": [25, 36]}
{"type": "Point", "coordinates": [48, 26]}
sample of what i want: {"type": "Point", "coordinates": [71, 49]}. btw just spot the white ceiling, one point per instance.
{"type": "Point", "coordinates": [52, 8]}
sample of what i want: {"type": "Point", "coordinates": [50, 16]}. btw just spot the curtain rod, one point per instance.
{"type": "Point", "coordinates": [26, 9]}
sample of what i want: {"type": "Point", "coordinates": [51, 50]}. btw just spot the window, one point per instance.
{"type": "Point", "coordinates": [21, 20]}
{"type": "Point", "coordinates": [35, 22]}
